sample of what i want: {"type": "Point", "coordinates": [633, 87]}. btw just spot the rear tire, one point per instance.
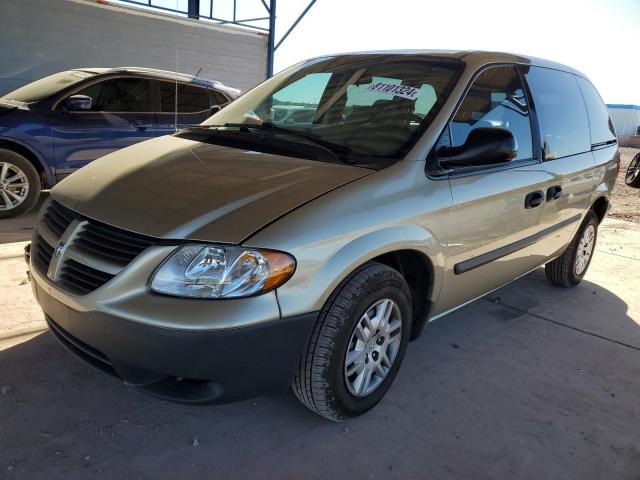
{"type": "Point", "coordinates": [632, 177]}
{"type": "Point", "coordinates": [569, 269]}
{"type": "Point", "coordinates": [355, 310]}
{"type": "Point", "coordinates": [19, 184]}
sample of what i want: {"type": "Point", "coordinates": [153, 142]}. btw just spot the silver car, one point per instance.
{"type": "Point", "coordinates": [242, 256]}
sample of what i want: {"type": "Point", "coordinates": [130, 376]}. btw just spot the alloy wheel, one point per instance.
{"type": "Point", "coordinates": [373, 347]}
{"type": "Point", "coordinates": [585, 249]}
{"type": "Point", "coordinates": [14, 186]}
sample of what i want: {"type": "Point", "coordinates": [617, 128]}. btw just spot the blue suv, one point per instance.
{"type": "Point", "coordinates": [55, 125]}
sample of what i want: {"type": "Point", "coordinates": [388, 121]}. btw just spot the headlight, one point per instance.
{"type": "Point", "coordinates": [212, 271]}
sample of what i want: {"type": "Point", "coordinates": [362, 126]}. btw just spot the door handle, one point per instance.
{"type": "Point", "coordinates": [554, 193]}
{"type": "Point", "coordinates": [534, 199]}
{"type": "Point", "coordinates": [140, 125]}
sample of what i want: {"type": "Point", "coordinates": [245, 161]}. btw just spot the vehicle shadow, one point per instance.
{"type": "Point", "coordinates": [20, 228]}
{"type": "Point", "coordinates": [490, 391]}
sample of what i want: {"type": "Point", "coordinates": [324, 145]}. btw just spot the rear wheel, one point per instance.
{"type": "Point", "coordinates": [19, 184]}
{"type": "Point", "coordinates": [357, 345]}
{"type": "Point", "coordinates": [632, 178]}
{"type": "Point", "coordinates": [570, 268]}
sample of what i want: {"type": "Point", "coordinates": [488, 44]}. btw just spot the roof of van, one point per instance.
{"type": "Point", "coordinates": [476, 56]}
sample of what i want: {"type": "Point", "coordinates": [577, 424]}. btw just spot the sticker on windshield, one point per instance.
{"type": "Point", "coordinates": [404, 91]}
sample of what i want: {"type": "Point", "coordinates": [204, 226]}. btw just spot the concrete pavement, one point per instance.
{"type": "Point", "coordinates": [531, 382]}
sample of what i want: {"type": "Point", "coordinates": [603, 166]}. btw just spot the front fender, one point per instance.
{"type": "Point", "coordinates": [318, 275]}
{"type": "Point", "coordinates": [397, 208]}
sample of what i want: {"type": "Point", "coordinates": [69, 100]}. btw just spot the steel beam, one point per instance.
{"type": "Point", "coordinates": [295, 24]}
{"type": "Point", "coordinates": [271, 50]}
{"type": "Point", "coordinates": [193, 9]}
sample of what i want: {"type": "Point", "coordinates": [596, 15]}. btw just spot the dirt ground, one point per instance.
{"type": "Point", "coordinates": [530, 382]}
{"type": "Point", "coordinates": [626, 200]}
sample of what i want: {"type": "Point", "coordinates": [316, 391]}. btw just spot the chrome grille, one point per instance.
{"type": "Point", "coordinates": [81, 279]}
{"type": "Point", "coordinates": [93, 252]}
{"type": "Point", "coordinates": [57, 218]}
{"type": "Point", "coordinates": [41, 253]}
{"type": "Point", "coordinates": [114, 244]}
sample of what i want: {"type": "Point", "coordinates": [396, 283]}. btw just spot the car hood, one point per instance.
{"type": "Point", "coordinates": [6, 106]}
{"type": "Point", "coordinates": [178, 188]}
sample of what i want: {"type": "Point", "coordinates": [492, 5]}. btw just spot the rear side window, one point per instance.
{"type": "Point", "coordinates": [496, 99]}
{"type": "Point", "coordinates": [216, 98]}
{"type": "Point", "coordinates": [190, 99]}
{"type": "Point", "coordinates": [119, 95]}
{"type": "Point", "coordinates": [602, 130]}
{"type": "Point", "coordinates": [560, 107]}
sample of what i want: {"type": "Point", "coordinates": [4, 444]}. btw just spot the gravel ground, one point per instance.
{"type": "Point", "coordinates": [626, 200]}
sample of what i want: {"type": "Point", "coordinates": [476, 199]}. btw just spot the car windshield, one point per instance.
{"type": "Point", "coordinates": [47, 86]}
{"type": "Point", "coordinates": [373, 106]}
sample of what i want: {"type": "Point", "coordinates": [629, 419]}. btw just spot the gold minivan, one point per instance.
{"type": "Point", "coordinates": [261, 250]}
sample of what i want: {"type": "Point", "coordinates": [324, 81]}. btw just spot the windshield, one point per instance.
{"type": "Point", "coordinates": [375, 106]}
{"type": "Point", "coordinates": [47, 86]}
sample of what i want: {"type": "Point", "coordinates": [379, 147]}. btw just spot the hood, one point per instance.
{"type": "Point", "coordinates": [7, 105]}
{"type": "Point", "coordinates": [177, 188]}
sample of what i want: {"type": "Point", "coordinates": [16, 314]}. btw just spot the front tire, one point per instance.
{"type": "Point", "coordinates": [357, 345]}
{"type": "Point", "coordinates": [569, 269]}
{"type": "Point", "coordinates": [19, 184]}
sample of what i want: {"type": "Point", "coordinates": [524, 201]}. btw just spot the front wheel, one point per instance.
{"type": "Point", "coordinates": [570, 268]}
{"type": "Point", "coordinates": [632, 178]}
{"type": "Point", "coordinates": [357, 345]}
{"type": "Point", "coordinates": [19, 184]}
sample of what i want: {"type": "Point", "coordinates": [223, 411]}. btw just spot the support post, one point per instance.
{"type": "Point", "coordinates": [272, 37]}
{"type": "Point", "coordinates": [193, 9]}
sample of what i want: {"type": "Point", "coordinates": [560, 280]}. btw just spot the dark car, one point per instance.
{"type": "Point", "coordinates": [58, 124]}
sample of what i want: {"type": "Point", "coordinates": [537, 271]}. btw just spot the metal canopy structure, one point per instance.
{"type": "Point", "coordinates": [194, 10]}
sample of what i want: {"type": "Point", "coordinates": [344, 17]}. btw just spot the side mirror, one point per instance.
{"type": "Point", "coordinates": [78, 103]}
{"type": "Point", "coordinates": [215, 109]}
{"type": "Point", "coordinates": [484, 146]}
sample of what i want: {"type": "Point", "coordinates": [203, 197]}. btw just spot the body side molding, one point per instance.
{"type": "Point", "coordinates": [493, 255]}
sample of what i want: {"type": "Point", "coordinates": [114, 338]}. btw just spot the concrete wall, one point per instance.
{"type": "Point", "coordinates": [41, 37]}
{"type": "Point", "coordinates": [630, 141]}
{"type": "Point", "coordinates": [625, 118]}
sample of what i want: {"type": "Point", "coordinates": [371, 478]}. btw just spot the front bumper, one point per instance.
{"type": "Point", "coordinates": [185, 365]}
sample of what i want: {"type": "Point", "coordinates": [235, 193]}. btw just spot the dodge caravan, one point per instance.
{"type": "Point", "coordinates": [244, 255]}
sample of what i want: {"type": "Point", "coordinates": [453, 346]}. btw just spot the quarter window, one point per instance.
{"type": "Point", "coordinates": [561, 111]}
{"type": "Point", "coordinates": [216, 98]}
{"type": "Point", "coordinates": [600, 124]}
{"type": "Point", "coordinates": [119, 95]}
{"type": "Point", "coordinates": [496, 99]}
{"type": "Point", "coordinates": [190, 99]}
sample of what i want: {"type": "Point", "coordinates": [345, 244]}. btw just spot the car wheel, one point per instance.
{"type": "Point", "coordinates": [570, 268]}
{"type": "Point", "coordinates": [357, 345]}
{"type": "Point", "coordinates": [19, 184]}
{"type": "Point", "coordinates": [632, 178]}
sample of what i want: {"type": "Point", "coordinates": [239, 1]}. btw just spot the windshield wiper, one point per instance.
{"type": "Point", "coordinates": [343, 152]}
